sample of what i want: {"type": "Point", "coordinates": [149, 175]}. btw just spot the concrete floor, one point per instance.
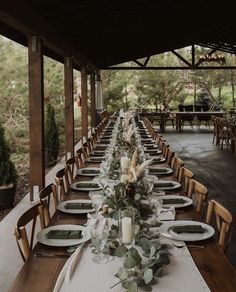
{"type": "Point", "coordinates": [214, 167]}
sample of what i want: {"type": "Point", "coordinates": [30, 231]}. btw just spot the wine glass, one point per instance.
{"type": "Point", "coordinates": [97, 200]}
{"type": "Point", "coordinates": [99, 235]}
{"type": "Point", "coordinates": [158, 208]}
{"type": "Point", "coordinates": [150, 183]}
{"type": "Point", "coordinates": [103, 179]}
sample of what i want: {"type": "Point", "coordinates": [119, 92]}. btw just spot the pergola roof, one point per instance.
{"type": "Point", "coordinates": [107, 32]}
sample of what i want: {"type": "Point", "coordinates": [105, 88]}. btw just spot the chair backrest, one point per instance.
{"type": "Point", "coordinates": [62, 183]}
{"type": "Point", "coordinates": [164, 149]}
{"type": "Point", "coordinates": [80, 158]}
{"type": "Point", "coordinates": [45, 199]}
{"type": "Point", "coordinates": [223, 222]}
{"type": "Point", "coordinates": [176, 165]}
{"type": "Point", "coordinates": [185, 175]}
{"type": "Point", "coordinates": [170, 155]}
{"type": "Point", "coordinates": [71, 167]}
{"type": "Point", "coordinates": [25, 244]}
{"type": "Point", "coordinates": [199, 193]}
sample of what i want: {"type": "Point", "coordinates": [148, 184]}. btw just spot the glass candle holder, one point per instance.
{"type": "Point", "coordinates": [126, 225]}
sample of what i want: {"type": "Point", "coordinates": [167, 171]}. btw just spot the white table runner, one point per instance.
{"type": "Point", "coordinates": [181, 275]}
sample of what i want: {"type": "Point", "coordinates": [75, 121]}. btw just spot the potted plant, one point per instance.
{"type": "Point", "coordinates": [51, 137]}
{"type": "Point", "coordinates": [8, 175]}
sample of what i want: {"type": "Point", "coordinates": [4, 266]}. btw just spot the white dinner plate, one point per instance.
{"type": "Point", "coordinates": [188, 201]}
{"type": "Point", "coordinates": [160, 171]}
{"type": "Point", "coordinates": [80, 171]}
{"type": "Point", "coordinates": [174, 185]}
{"type": "Point", "coordinates": [166, 230]}
{"type": "Point", "coordinates": [41, 236]}
{"type": "Point", "coordinates": [153, 152]}
{"type": "Point", "coordinates": [95, 159]}
{"type": "Point", "coordinates": [157, 159]}
{"type": "Point", "coordinates": [62, 207]}
{"type": "Point", "coordinates": [78, 186]}
{"type": "Point", "coordinates": [150, 146]}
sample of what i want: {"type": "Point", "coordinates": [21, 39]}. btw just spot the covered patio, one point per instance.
{"type": "Point", "coordinates": [89, 36]}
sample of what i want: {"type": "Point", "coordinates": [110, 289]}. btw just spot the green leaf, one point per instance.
{"type": "Point", "coordinates": [145, 244]}
{"type": "Point", "coordinates": [147, 276]}
{"type": "Point", "coordinates": [132, 287]}
{"type": "Point", "coordinates": [130, 263]}
{"type": "Point", "coordinates": [122, 274]}
{"type": "Point", "coordinates": [115, 215]}
{"type": "Point", "coordinates": [152, 251]}
{"type": "Point", "coordinates": [121, 250]}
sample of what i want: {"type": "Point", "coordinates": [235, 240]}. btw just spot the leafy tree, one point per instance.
{"type": "Point", "coordinates": [7, 169]}
{"type": "Point", "coordinates": [51, 136]}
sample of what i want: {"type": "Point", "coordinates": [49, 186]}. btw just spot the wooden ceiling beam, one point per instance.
{"type": "Point", "coordinates": [25, 20]}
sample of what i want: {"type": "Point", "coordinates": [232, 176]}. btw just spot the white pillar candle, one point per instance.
{"type": "Point", "coordinates": [126, 223]}
{"type": "Point", "coordinates": [124, 162]}
{"type": "Point", "coordinates": [124, 179]}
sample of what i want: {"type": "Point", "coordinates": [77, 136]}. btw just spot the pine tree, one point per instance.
{"type": "Point", "coordinates": [51, 136]}
{"type": "Point", "coordinates": [8, 173]}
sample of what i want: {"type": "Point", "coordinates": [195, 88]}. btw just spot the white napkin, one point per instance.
{"type": "Point", "coordinates": [69, 268]}
{"type": "Point", "coordinates": [167, 214]}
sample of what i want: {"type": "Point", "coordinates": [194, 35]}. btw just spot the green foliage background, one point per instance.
{"type": "Point", "coordinates": [127, 89]}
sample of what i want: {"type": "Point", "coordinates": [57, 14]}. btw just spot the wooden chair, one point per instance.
{"type": "Point", "coordinates": [224, 132]}
{"type": "Point", "coordinates": [80, 158]}
{"type": "Point", "coordinates": [199, 193]}
{"type": "Point", "coordinates": [170, 155]}
{"type": "Point", "coordinates": [164, 149]}
{"type": "Point", "coordinates": [71, 167]}
{"type": "Point", "coordinates": [176, 165]}
{"type": "Point", "coordinates": [45, 199]}
{"type": "Point", "coordinates": [223, 222]}
{"type": "Point", "coordinates": [30, 216]}
{"type": "Point", "coordinates": [185, 175]}
{"type": "Point", "coordinates": [62, 183]}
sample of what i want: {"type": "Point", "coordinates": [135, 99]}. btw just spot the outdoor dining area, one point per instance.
{"type": "Point", "coordinates": [142, 197]}
{"type": "Point", "coordinates": [126, 211]}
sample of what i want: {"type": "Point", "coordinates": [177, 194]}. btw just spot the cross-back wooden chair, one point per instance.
{"type": "Point", "coordinates": [86, 150]}
{"type": "Point", "coordinates": [62, 183]}
{"type": "Point", "coordinates": [25, 244]}
{"type": "Point", "coordinates": [80, 158]}
{"type": "Point", "coordinates": [161, 143]}
{"type": "Point", "coordinates": [199, 193]}
{"type": "Point", "coordinates": [164, 149]}
{"type": "Point", "coordinates": [45, 199]}
{"type": "Point", "coordinates": [185, 175]}
{"type": "Point", "coordinates": [169, 155]}
{"type": "Point", "coordinates": [71, 168]}
{"type": "Point", "coordinates": [223, 222]}
{"type": "Point", "coordinates": [224, 132]}
{"type": "Point", "coordinates": [176, 165]}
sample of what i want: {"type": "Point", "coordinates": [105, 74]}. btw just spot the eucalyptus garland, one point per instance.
{"type": "Point", "coordinates": [142, 265]}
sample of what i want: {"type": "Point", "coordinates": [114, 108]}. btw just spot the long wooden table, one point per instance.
{"type": "Point", "coordinates": [39, 274]}
{"type": "Point", "coordinates": [163, 116]}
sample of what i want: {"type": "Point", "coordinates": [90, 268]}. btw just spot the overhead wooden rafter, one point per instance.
{"type": "Point", "coordinates": [20, 16]}
{"type": "Point", "coordinates": [189, 66]}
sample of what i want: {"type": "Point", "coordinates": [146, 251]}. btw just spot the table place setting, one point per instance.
{"type": "Point", "coordinates": [85, 186]}
{"type": "Point", "coordinates": [132, 216]}
{"type": "Point", "coordinates": [160, 171]}
{"type": "Point", "coordinates": [78, 206]}
{"type": "Point", "coordinates": [89, 171]}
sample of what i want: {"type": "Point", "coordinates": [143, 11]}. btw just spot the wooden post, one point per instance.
{"type": "Point", "coordinates": [36, 115]}
{"type": "Point", "coordinates": [93, 99]}
{"type": "Point", "coordinates": [84, 103]}
{"type": "Point", "coordinates": [69, 107]}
